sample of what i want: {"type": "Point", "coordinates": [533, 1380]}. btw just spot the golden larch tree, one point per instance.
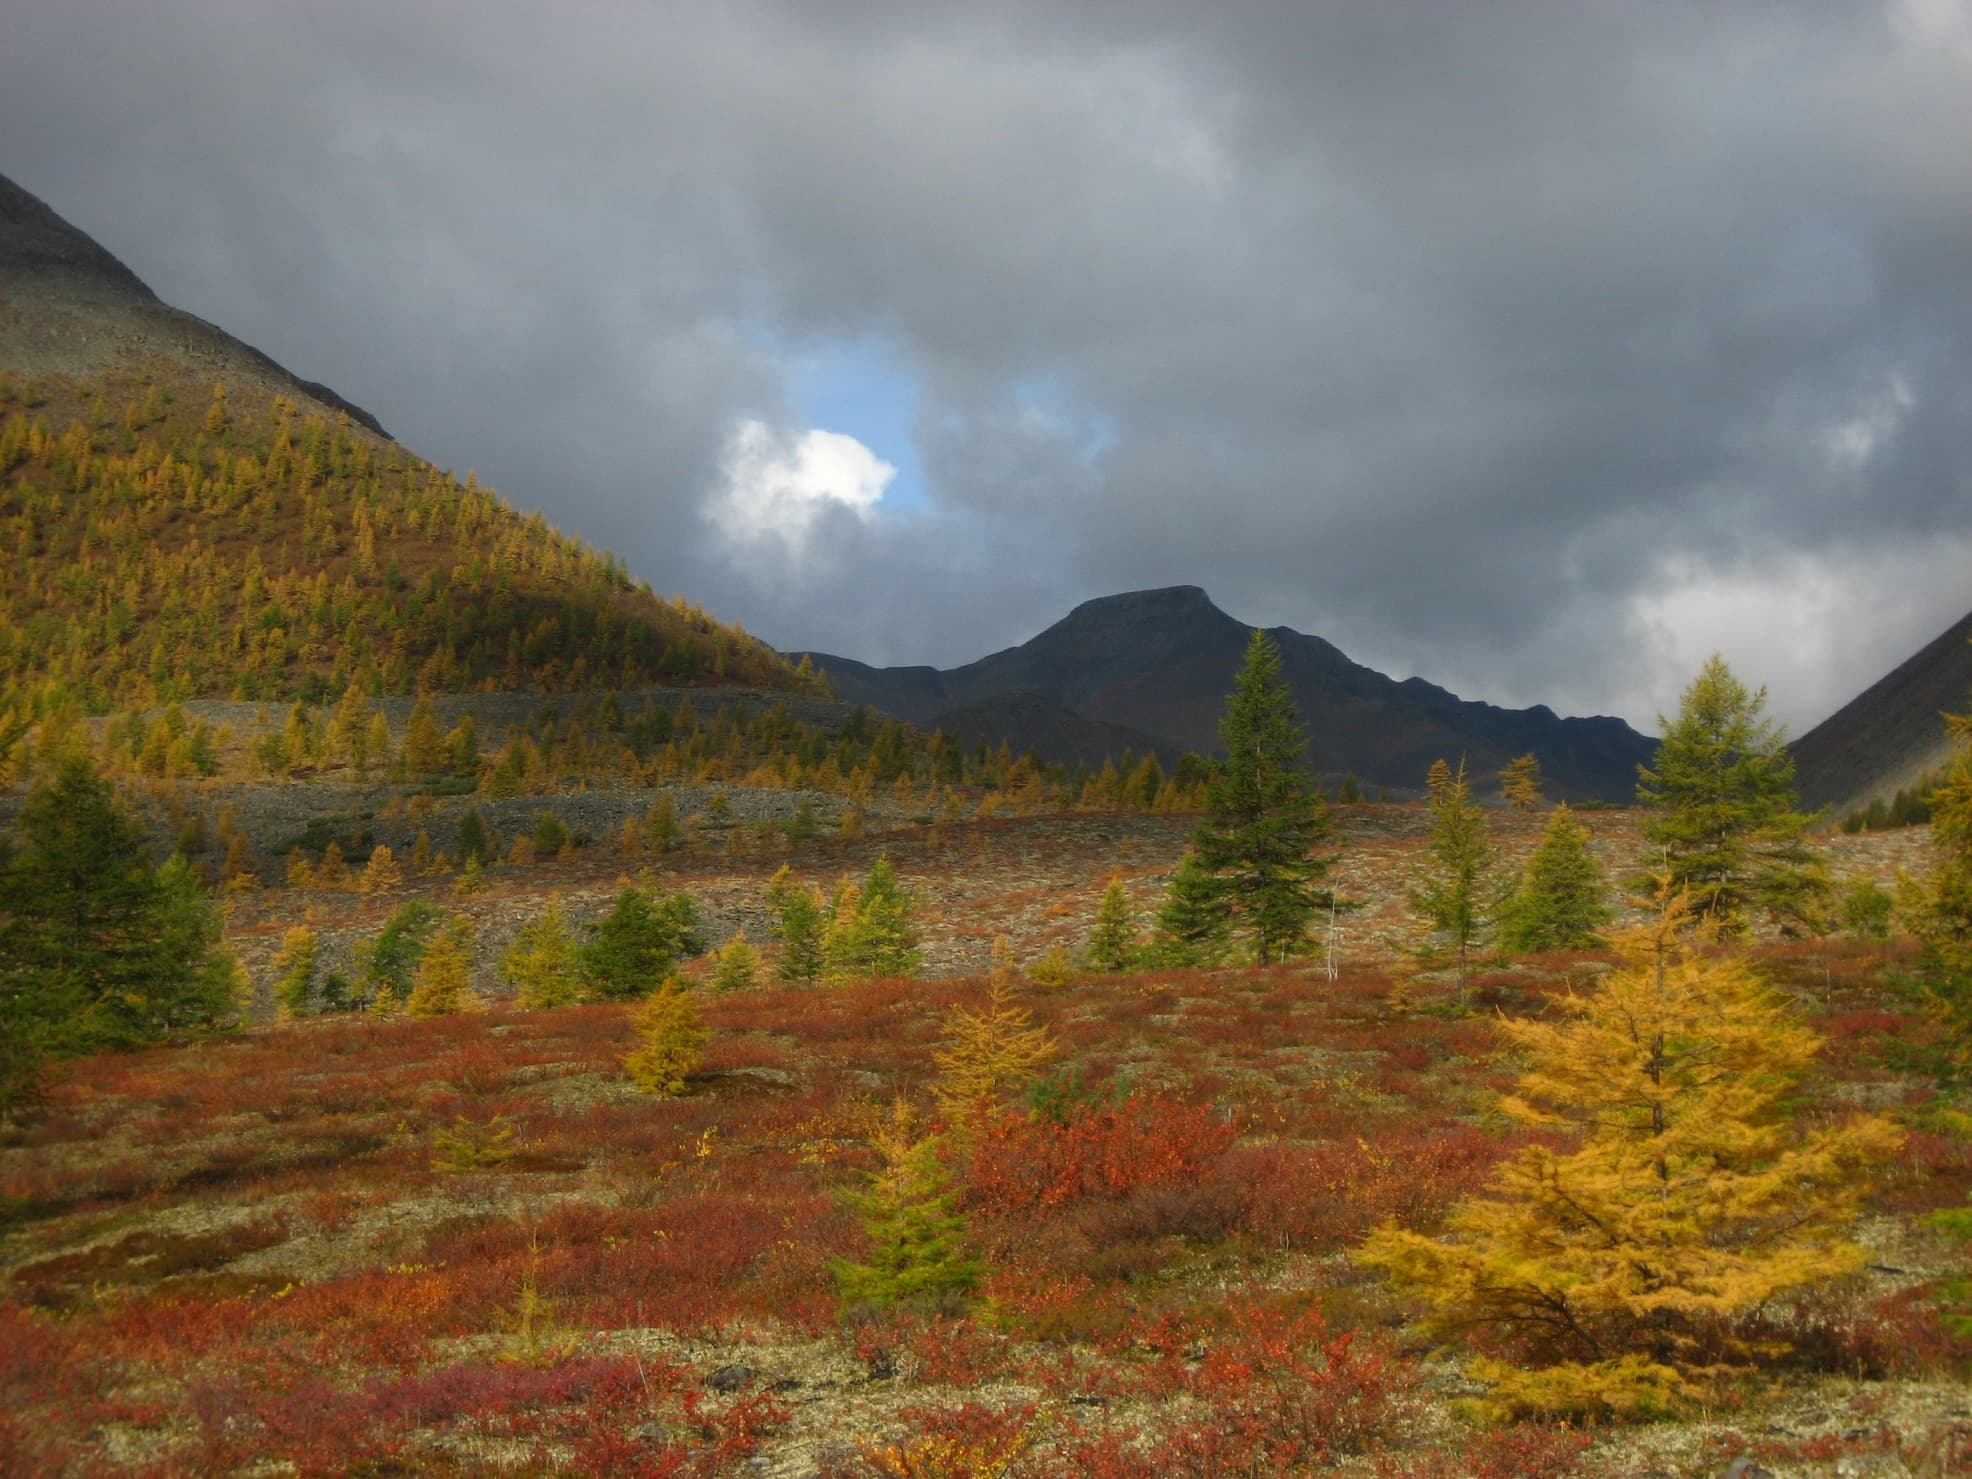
{"type": "Point", "coordinates": [988, 1053]}
{"type": "Point", "coordinates": [1617, 1272]}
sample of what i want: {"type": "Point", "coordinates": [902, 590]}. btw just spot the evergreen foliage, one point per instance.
{"type": "Point", "coordinates": [387, 964]}
{"type": "Point", "coordinates": [634, 946]}
{"type": "Point", "coordinates": [1563, 898]}
{"type": "Point", "coordinates": [1193, 927]}
{"type": "Point", "coordinates": [294, 971]}
{"type": "Point", "coordinates": [477, 842]}
{"type": "Point", "coordinates": [869, 932]}
{"type": "Point", "coordinates": [1113, 944]}
{"type": "Point", "coordinates": [541, 964]}
{"type": "Point", "coordinates": [98, 948]}
{"type": "Point", "coordinates": [1263, 819]}
{"type": "Point", "coordinates": [1616, 1270]}
{"type": "Point", "coordinates": [801, 920]}
{"type": "Point", "coordinates": [671, 1039]}
{"type": "Point", "coordinates": [735, 966]}
{"type": "Point", "coordinates": [1720, 794]}
{"type": "Point", "coordinates": [1457, 893]}
{"type": "Point", "coordinates": [917, 1257]}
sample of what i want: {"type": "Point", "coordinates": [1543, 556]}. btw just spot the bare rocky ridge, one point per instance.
{"type": "Point", "coordinates": [68, 307]}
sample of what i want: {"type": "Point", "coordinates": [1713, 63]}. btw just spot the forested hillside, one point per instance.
{"type": "Point", "coordinates": [170, 541]}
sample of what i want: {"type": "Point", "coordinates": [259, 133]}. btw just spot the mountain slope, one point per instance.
{"type": "Point", "coordinates": [1891, 734]}
{"type": "Point", "coordinates": [187, 520]}
{"type": "Point", "coordinates": [1159, 663]}
{"type": "Point", "coordinates": [67, 307]}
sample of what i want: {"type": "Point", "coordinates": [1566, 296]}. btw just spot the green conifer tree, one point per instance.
{"type": "Point", "coordinates": [801, 919]}
{"type": "Point", "coordinates": [633, 947]}
{"type": "Point", "coordinates": [1192, 928]}
{"type": "Point", "coordinates": [388, 963]}
{"type": "Point", "coordinates": [1113, 944]}
{"type": "Point", "coordinates": [737, 964]}
{"type": "Point", "coordinates": [870, 932]}
{"type": "Point", "coordinates": [1937, 908]}
{"type": "Point", "coordinates": [98, 949]}
{"type": "Point", "coordinates": [477, 842]}
{"type": "Point", "coordinates": [1721, 797]}
{"type": "Point", "coordinates": [1563, 898]}
{"type": "Point", "coordinates": [1263, 819]}
{"type": "Point", "coordinates": [1457, 894]}
{"type": "Point", "coordinates": [917, 1257]}
{"type": "Point", "coordinates": [294, 971]}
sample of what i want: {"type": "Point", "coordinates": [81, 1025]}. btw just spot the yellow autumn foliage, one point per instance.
{"type": "Point", "coordinates": [1617, 1271]}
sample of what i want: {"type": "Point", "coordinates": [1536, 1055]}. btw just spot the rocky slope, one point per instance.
{"type": "Point", "coordinates": [1892, 734]}
{"type": "Point", "coordinates": [68, 307]}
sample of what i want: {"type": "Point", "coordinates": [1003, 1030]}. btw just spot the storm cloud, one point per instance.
{"type": "Point", "coordinates": [1539, 349]}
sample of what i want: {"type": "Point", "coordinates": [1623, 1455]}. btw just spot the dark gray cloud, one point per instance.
{"type": "Point", "coordinates": [1536, 348]}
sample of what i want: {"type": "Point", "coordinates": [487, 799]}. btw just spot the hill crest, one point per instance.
{"type": "Point", "coordinates": [1158, 664]}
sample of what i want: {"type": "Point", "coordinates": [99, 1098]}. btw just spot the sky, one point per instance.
{"type": "Point", "coordinates": [1537, 349]}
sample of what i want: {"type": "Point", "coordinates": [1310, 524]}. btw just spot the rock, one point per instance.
{"type": "Point", "coordinates": [1744, 1468]}
{"type": "Point", "coordinates": [731, 1378]}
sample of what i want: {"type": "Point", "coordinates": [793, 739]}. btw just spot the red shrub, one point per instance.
{"type": "Point", "coordinates": [1332, 1192]}
{"type": "Point", "coordinates": [1020, 1165]}
{"type": "Point", "coordinates": [1510, 1453]}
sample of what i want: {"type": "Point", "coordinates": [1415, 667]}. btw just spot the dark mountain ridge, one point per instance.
{"type": "Point", "coordinates": [1157, 664]}
{"type": "Point", "coordinates": [1892, 734]}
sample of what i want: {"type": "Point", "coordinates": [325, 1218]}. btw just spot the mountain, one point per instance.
{"type": "Point", "coordinates": [1892, 733]}
{"type": "Point", "coordinates": [1157, 665]}
{"type": "Point", "coordinates": [185, 519]}
{"type": "Point", "coordinates": [67, 307]}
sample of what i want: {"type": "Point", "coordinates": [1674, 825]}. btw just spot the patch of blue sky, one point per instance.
{"type": "Point", "coordinates": [860, 388]}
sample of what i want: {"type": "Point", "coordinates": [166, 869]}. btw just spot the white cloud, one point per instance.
{"type": "Point", "coordinates": [776, 486]}
{"type": "Point", "coordinates": [1802, 625]}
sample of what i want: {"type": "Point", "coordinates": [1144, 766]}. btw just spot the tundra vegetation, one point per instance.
{"type": "Point", "coordinates": [1114, 1123]}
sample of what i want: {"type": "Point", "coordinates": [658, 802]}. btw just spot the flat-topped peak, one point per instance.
{"type": "Point", "coordinates": [1163, 601]}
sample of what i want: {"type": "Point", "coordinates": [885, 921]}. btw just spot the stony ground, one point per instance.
{"type": "Point", "coordinates": [1035, 880]}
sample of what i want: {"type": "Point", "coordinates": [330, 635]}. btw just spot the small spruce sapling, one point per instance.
{"type": "Point", "coordinates": [1457, 895]}
{"type": "Point", "coordinates": [294, 971]}
{"type": "Point", "coordinates": [801, 920]}
{"type": "Point", "coordinates": [736, 965]}
{"type": "Point", "coordinates": [1113, 939]}
{"type": "Point", "coordinates": [917, 1257]}
{"type": "Point", "coordinates": [1192, 928]}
